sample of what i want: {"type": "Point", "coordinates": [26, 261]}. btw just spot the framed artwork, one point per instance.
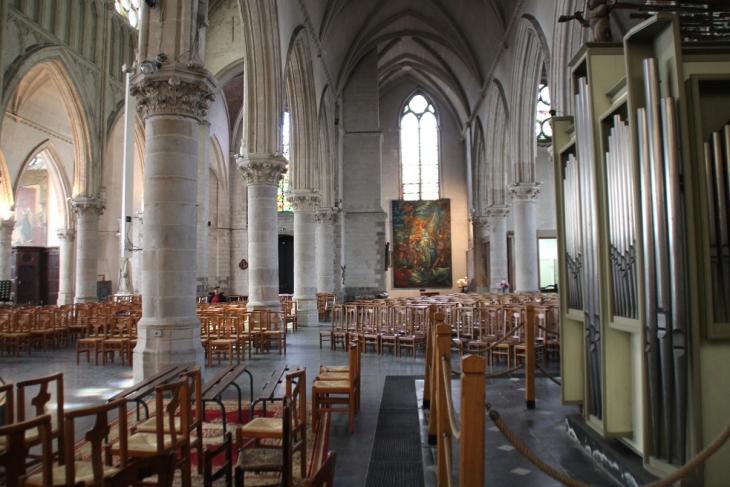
{"type": "Point", "coordinates": [422, 244]}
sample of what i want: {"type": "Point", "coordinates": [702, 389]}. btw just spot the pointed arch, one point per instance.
{"type": "Point", "coordinates": [483, 180]}
{"type": "Point", "coordinates": [495, 147]}
{"type": "Point", "coordinates": [219, 162]}
{"type": "Point", "coordinates": [58, 65]}
{"type": "Point", "coordinates": [327, 170]}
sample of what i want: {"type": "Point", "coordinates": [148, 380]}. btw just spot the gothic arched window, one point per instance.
{"type": "Point", "coordinates": [419, 150]}
{"type": "Point", "coordinates": [130, 9]}
{"type": "Point", "coordinates": [281, 203]}
{"type": "Point", "coordinates": [543, 129]}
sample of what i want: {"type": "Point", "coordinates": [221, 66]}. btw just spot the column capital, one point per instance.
{"type": "Point", "coordinates": [85, 207]}
{"type": "Point", "coordinates": [526, 192]}
{"type": "Point", "coordinates": [494, 212]}
{"type": "Point", "coordinates": [66, 234]}
{"type": "Point", "coordinates": [7, 225]}
{"type": "Point", "coordinates": [264, 169]}
{"type": "Point", "coordinates": [326, 216]}
{"type": "Point", "coordinates": [305, 200]}
{"type": "Point", "coordinates": [481, 226]}
{"type": "Point", "coordinates": [183, 91]}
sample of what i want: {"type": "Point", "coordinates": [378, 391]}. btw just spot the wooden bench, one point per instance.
{"type": "Point", "coordinates": [270, 388]}
{"type": "Point", "coordinates": [214, 388]}
{"type": "Point", "coordinates": [137, 392]}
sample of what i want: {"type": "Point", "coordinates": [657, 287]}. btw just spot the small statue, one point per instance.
{"type": "Point", "coordinates": [343, 267]}
{"type": "Point", "coordinates": [597, 18]}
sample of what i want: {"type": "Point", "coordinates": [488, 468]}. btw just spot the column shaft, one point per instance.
{"type": "Point", "coordinates": [203, 208]}
{"type": "Point", "coordinates": [325, 249]}
{"type": "Point", "coordinates": [87, 249]}
{"type": "Point", "coordinates": [66, 258]}
{"type": "Point", "coordinates": [304, 203]}
{"type": "Point", "coordinates": [498, 263]}
{"type": "Point", "coordinates": [6, 248]}
{"type": "Point", "coordinates": [526, 261]}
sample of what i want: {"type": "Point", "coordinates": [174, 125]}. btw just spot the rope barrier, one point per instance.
{"type": "Point", "coordinates": [449, 461]}
{"type": "Point", "coordinates": [548, 375]}
{"type": "Point", "coordinates": [455, 431]}
{"type": "Point", "coordinates": [506, 372]}
{"type": "Point", "coordinates": [685, 470]}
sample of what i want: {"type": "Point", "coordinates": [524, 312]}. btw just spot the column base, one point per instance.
{"type": "Point", "coordinates": [64, 299]}
{"type": "Point", "coordinates": [270, 305]}
{"type": "Point", "coordinates": [86, 299]}
{"type": "Point", "coordinates": [162, 344]}
{"type": "Point", "coordinates": [307, 314]}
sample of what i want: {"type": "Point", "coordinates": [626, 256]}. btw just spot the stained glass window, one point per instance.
{"type": "Point", "coordinates": [543, 129]}
{"type": "Point", "coordinates": [281, 202]}
{"type": "Point", "coordinates": [130, 9]}
{"type": "Point", "coordinates": [419, 142]}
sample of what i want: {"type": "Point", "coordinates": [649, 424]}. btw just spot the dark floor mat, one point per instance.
{"type": "Point", "coordinates": [396, 457]}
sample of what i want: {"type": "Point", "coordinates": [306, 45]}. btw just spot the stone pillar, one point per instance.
{"type": "Point", "coordinates": [526, 259]}
{"type": "Point", "coordinates": [262, 173]}
{"type": "Point", "coordinates": [6, 248]}
{"type": "Point", "coordinates": [304, 203]}
{"type": "Point", "coordinates": [87, 212]}
{"type": "Point", "coordinates": [481, 233]}
{"type": "Point", "coordinates": [65, 262]}
{"type": "Point", "coordinates": [498, 263]}
{"type": "Point", "coordinates": [203, 207]}
{"type": "Point", "coordinates": [325, 245]}
{"type": "Point", "coordinates": [172, 104]}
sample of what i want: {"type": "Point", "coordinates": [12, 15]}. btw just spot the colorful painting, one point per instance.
{"type": "Point", "coordinates": [422, 244]}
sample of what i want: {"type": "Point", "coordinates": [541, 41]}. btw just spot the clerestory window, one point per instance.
{"type": "Point", "coordinates": [419, 150]}
{"type": "Point", "coordinates": [543, 128]}
{"type": "Point", "coordinates": [129, 9]}
{"type": "Point", "coordinates": [281, 202]}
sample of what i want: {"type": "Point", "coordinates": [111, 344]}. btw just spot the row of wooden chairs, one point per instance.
{"type": "Point", "coordinates": [325, 301]}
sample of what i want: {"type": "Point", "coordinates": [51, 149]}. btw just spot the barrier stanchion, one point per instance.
{"type": "Point", "coordinates": [443, 349]}
{"type": "Point", "coordinates": [471, 446]}
{"type": "Point", "coordinates": [430, 324]}
{"type": "Point", "coordinates": [431, 370]}
{"type": "Point", "coordinates": [530, 357]}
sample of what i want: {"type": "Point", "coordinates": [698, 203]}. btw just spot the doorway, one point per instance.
{"type": "Point", "coordinates": [286, 264]}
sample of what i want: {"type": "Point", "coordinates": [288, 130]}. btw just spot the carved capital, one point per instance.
{"type": "Point", "coordinates": [481, 226]}
{"type": "Point", "coordinates": [171, 94]}
{"type": "Point", "coordinates": [7, 226]}
{"type": "Point", "coordinates": [304, 200]}
{"type": "Point", "coordinates": [494, 212]}
{"type": "Point", "coordinates": [87, 207]}
{"type": "Point", "coordinates": [66, 234]}
{"type": "Point", "coordinates": [526, 192]}
{"type": "Point", "coordinates": [326, 216]}
{"type": "Point", "coordinates": [261, 169]}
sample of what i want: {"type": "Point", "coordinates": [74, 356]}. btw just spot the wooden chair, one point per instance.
{"type": "Point", "coordinates": [7, 399]}
{"type": "Point", "coordinates": [290, 309]}
{"type": "Point", "coordinates": [172, 430]}
{"type": "Point", "coordinates": [339, 328]}
{"type": "Point", "coordinates": [91, 341]}
{"type": "Point", "coordinates": [278, 459]}
{"type": "Point", "coordinates": [276, 332]}
{"type": "Point", "coordinates": [338, 395]}
{"type": "Point", "coordinates": [40, 402]}
{"type": "Point", "coordinates": [119, 335]}
{"type": "Point", "coordinates": [325, 476]}
{"type": "Point", "coordinates": [505, 348]}
{"type": "Point", "coordinates": [210, 475]}
{"type": "Point", "coordinates": [342, 372]}
{"type": "Point", "coordinates": [15, 449]}
{"type": "Point", "coordinates": [16, 332]}
{"type": "Point", "coordinates": [92, 471]}
{"type": "Point", "coordinates": [226, 331]}
{"type": "Point", "coordinates": [197, 414]}
{"type": "Point", "coordinates": [163, 466]}
{"type": "Point", "coordinates": [272, 428]}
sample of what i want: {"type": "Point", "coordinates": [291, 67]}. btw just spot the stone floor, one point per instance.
{"type": "Point", "coordinates": [543, 428]}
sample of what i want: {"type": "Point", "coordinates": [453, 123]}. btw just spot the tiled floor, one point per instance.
{"type": "Point", "coordinates": [543, 428]}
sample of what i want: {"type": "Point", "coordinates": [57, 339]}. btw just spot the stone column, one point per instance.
{"type": "Point", "coordinates": [65, 262]}
{"type": "Point", "coordinates": [262, 173]}
{"type": "Point", "coordinates": [6, 248]}
{"type": "Point", "coordinates": [526, 260]}
{"type": "Point", "coordinates": [481, 232]}
{"type": "Point", "coordinates": [203, 207]}
{"type": "Point", "coordinates": [498, 263]}
{"type": "Point", "coordinates": [325, 245]}
{"type": "Point", "coordinates": [87, 212]}
{"type": "Point", "coordinates": [304, 203]}
{"type": "Point", "coordinates": [172, 104]}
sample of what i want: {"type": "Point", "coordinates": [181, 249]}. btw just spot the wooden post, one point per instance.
{"type": "Point", "coordinates": [471, 443]}
{"type": "Point", "coordinates": [443, 348]}
{"type": "Point", "coordinates": [530, 357]}
{"type": "Point", "coordinates": [432, 356]}
{"type": "Point", "coordinates": [430, 326]}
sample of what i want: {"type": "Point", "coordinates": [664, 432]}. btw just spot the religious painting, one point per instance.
{"type": "Point", "coordinates": [30, 220]}
{"type": "Point", "coordinates": [422, 244]}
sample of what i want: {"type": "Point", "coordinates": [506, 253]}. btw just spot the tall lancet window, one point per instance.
{"type": "Point", "coordinates": [419, 150]}
{"type": "Point", "coordinates": [130, 9]}
{"type": "Point", "coordinates": [281, 202]}
{"type": "Point", "coordinates": [543, 129]}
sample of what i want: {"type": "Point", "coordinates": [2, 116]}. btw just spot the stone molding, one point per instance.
{"type": "Point", "coordinates": [494, 212]}
{"type": "Point", "coordinates": [326, 216]}
{"type": "Point", "coordinates": [526, 192]}
{"type": "Point", "coordinates": [261, 169]}
{"type": "Point", "coordinates": [305, 201]}
{"type": "Point", "coordinates": [88, 207]}
{"type": "Point", "coordinates": [172, 94]}
{"type": "Point", "coordinates": [66, 234]}
{"type": "Point", "coordinates": [7, 225]}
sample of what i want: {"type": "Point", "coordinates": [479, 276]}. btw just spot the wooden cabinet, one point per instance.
{"type": "Point", "coordinates": [34, 273]}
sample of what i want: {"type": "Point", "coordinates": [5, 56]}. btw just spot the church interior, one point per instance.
{"type": "Point", "coordinates": [313, 157]}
